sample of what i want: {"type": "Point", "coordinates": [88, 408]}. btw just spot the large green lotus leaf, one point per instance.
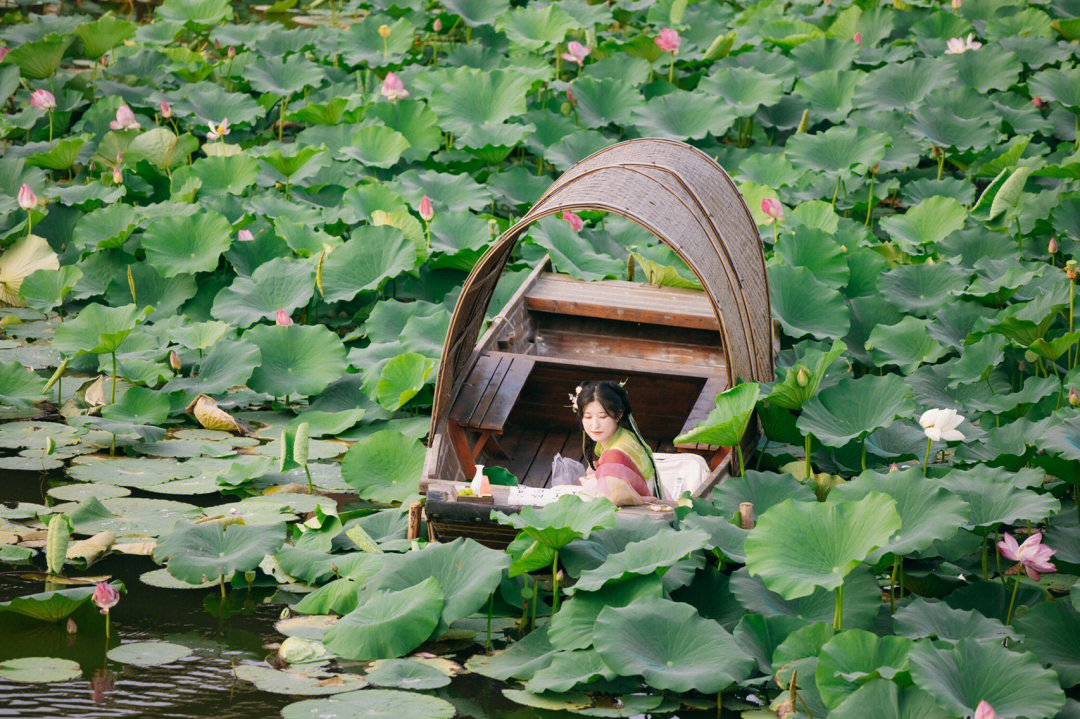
{"type": "Point", "coordinates": [727, 422]}
{"type": "Point", "coordinates": [161, 148]}
{"type": "Point", "coordinates": [804, 305]}
{"type": "Point", "coordinates": [283, 76]}
{"type": "Point", "coordinates": [838, 151]}
{"type": "Point", "coordinates": [568, 670]}
{"type": "Point", "coordinates": [61, 155]}
{"type": "Point", "coordinates": [197, 13]}
{"type": "Point", "coordinates": [671, 646]}
{"type": "Point", "coordinates": [139, 406]}
{"type": "Point", "coordinates": [370, 256]}
{"type": "Point", "coordinates": [128, 471]}
{"type": "Point", "coordinates": [1015, 685]}
{"type": "Point", "coordinates": [446, 191]}
{"type": "Point", "coordinates": [296, 359]}
{"type": "Point", "coordinates": [321, 424]}
{"type": "Point", "coordinates": [187, 244]}
{"type": "Point", "coordinates": [150, 653]}
{"type": "Point", "coordinates": [97, 329]}
{"type": "Point", "coordinates": [221, 174]}
{"type": "Point", "coordinates": [851, 658]}
{"type": "Point", "coordinates": [384, 466]}
{"type": "Point", "coordinates": [103, 34]}
{"type": "Point", "coordinates": [280, 284]}
{"type": "Point", "coordinates": [901, 86]}
{"type": "Point", "coordinates": [40, 59]}
{"type": "Point", "coordinates": [761, 489]}
{"type": "Point", "coordinates": [853, 408]}
{"type": "Point", "coordinates": [406, 674]}
{"type": "Point", "coordinates": [572, 625]}
{"type": "Point", "coordinates": [829, 93]}
{"type": "Point", "coordinates": [415, 121]}
{"type": "Point", "coordinates": [521, 660]}
{"type": "Point", "coordinates": [478, 12]}
{"type": "Point", "coordinates": [199, 335]}
{"type": "Point", "coordinates": [797, 547]}
{"type": "Point", "coordinates": [571, 255]}
{"type": "Point", "coordinates": [19, 387]}
{"type": "Point", "coordinates": [662, 549]}
{"type": "Point", "coordinates": [559, 523]}
{"type": "Point", "coordinates": [39, 669]}
{"type": "Point", "coordinates": [128, 515]}
{"type": "Point", "coordinates": [402, 378]}
{"type": "Point", "coordinates": [209, 102]}
{"type": "Point", "coordinates": [45, 290]}
{"type": "Point", "coordinates": [1060, 85]}
{"type": "Point", "coordinates": [468, 572]}
{"type": "Point", "coordinates": [602, 102]}
{"type": "Point", "coordinates": [296, 683]}
{"type": "Point", "coordinates": [759, 636]}
{"type": "Point", "coordinates": [594, 551]}
{"type": "Point", "coordinates": [683, 115]}
{"type": "Point", "coordinates": [376, 145]}
{"type": "Point", "coordinates": [993, 68]}
{"type": "Point", "coordinates": [535, 26]}
{"type": "Point", "coordinates": [152, 292]}
{"type": "Point", "coordinates": [942, 126]}
{"type": "Point", "coordinates": [922, 289]}
{"type": "Point", "coordinates": [744, 89]}
{"type": "Point", "coordinates": [928, 223]}
{"type": "Point", "coordinates": [389, 624]}
{"type": "Point", "coordinates": [361, 44]}
{"type": "Point", "coordinates": [817, 251]}
{"type": "Point", "coordinates": [905, 345]}
{"type": "Point", "coordinates": [52, 606]}
{"type": "Point", "coordinates": [372, 704]}
{"type": "Point", "coordinates": [227, 364]}
{"type": "Point", "coordinates": [1049, 631]}
{"type": "Point", "coordinates": [928, 513]}
{"type": "Point", "coordinates": [884, 699]}
{"type": "Point", "coordinates": [789, 392]}
{"type": "Point", "coordinates": [938, 621]}
{"type": "Point", "coordinates": [465, 97]}
{"type": "Point", "coordinates": [462, 237]}
{"type": "Point", "coordinates": [992, 503]}
{"type": "Point", "coordinates": [574, 147]}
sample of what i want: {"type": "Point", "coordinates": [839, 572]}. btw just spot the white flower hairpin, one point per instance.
{"type": "Point", "coordinates": [573, 398]}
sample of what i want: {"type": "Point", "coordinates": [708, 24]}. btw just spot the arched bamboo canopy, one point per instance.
{"type": "Point", "coordinates": [684, 198]}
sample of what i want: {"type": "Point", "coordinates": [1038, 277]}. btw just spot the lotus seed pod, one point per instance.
{"type": "Point", "coordinates": [56, 543]}
{"type": "Point", "coordinates": [1074, 397]}
{"type": "Point", "coordinates": [802, 377]}
{"type": "Point", "coordinates": [384, 31]}
{"type": "Point", "coordinates": [1030, 356]}
{"type": "Point", "coordinates": [300, 444]}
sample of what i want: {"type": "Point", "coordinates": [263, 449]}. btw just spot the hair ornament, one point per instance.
{"type": "Point", "coordinates": [573, 398]}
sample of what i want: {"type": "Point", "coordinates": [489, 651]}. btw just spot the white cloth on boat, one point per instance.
{"type": "Point", "coordinates": [680, 472]}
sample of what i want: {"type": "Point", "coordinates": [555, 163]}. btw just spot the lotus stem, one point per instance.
{"type": "Point", "coordinates": [535, 599]}
{"type": "Point", "coordinates": [775, 231]}
{"type": "Point", "coordinates": [742, 465]}
{"type": "Point", "coordinates": [112, 398]}
{"type": "Point", "coordinates": [671, 70]}
{"type": "Point", "coordinates": [50, 126]}
{"type": "Point", "coordinates": [221, 584]}
{"type": "Point", "coordinates": [107, 618]}
{"type": "Point", "coordinates": [985, 559]}
{"type": "Point", "coordinates": [555, 583]}
{"type": "Point", "coordinates": [1072, 362]}
{"type": "Point", "coordinates": [864, 455]}
{"type": "Point", "coordinates": [310, 486]}
{"type": "Point", "coordinates": [870, 202]}
{"type": "Point", "coordinates": [836, 192]}
{"type": "Point", "coordinates": [1012, 602]}
{"type": "Point", "coordinates": [926, 460]}
{"type": "Point", "coordinates": [281, 114]}
{"type": "Point", "coordinates": [838, 617]}
{"type": "Point", "coordinates": [487, 636]}
{"type": "Point", "coordinates": [808, 472]}
{"type": "Point", "coordinates": [940, 163]}
{"type": "Point", "coordinates": [892, 584]}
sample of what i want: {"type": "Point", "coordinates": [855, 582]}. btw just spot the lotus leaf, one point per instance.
{"type": "Point", "coordinates": [227, 364]}
{"type": "Point", "coordinates": [384, 466]}
{"type": "Point", "coordinates": [839, 151]}
{"type": "Point", "coordinates": [206, 552]}
{"type": "Point", "coordinates": [535, 27]}
{"type": "Point", "coordinates": [670, 645]}
{"type": "Point", "coordinates": [39, 669]}
{"type": "Point", "coordinates": [906, 345]}
{"type": "Point", "coordinates": [885, 699]}
{"type": "Point", "coordinates": [52, 606]}
{"type": "Point", "coordinates": [681, 115]}
{"type": "Point", "coordinates": [40, 59]}
{"type": "Point", "coordinates": [146, 654]}
{"type": "Point", "coordinates": [661, 550]}
{"type": "Point", "coordinates": [792, 392]}
{"type": "Point", "coordinates": [941, 622]}
{"type": "Point", "coordinates": [569, 669]}
{"type": "Point", "coordinates": [295, 359]}
{"type": "Point", "coordinates": [994, 503]}
{"type": "Point", "coordinates": [405, 674]}
{"type": "Point", "coordinates": [1047, 630]}
{"type": "Point", "coordinates": [572, 626]}
{"type": "Point", "coordinates": [805, 306]}
{"type": "Point", "coordinates": [389, 624]}
{"type": "Point", "coordinates": [20, 259]}
{"type": "Point", "coordinates": [370, 256]}
{"type": "Point", "coordinates": [19, 387]}
{"type": "Point", "coordinates": [373, 703]}
{"type": "Point", "coordinates": [853, 657]}
{"type": "Point", "coordinates": [295, 683]}
{"type": "Point", "coordinates": [726, 424]}
{"type": "Point", "coordinates": [837, 415]}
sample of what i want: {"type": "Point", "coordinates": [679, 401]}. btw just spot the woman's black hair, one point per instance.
{"type": "Point", "coordinates": [613, 398]}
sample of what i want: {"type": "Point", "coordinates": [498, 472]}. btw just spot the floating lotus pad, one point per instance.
{"type": "Point", "coordinates": [145, 654]}
{"type": "Point", "coordinates": [39, 669]}
{"type": "Point", "coordinates": [374, 703]}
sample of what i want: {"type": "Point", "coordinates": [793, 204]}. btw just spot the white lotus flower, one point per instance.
{"type": "Point", "coordinates": [941, 424]}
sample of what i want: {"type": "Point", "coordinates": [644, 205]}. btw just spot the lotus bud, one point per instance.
{"type": "Point", "coordinates": [245, 236]}
{"type": "Point", "coordinates": [804, 122]}
{"type": "Point", "coordinates": [857, 38]}
{"type": "Point", "coordinates": [576, 223]}
{"type": "Point", "coordinates": [4, 51]}
{"type": "Point", "coordinates": [231, 52]}
{"type": "Point", "coordinates": [437, 25]}
{"type": "Point", "coordinates": [27, 199]}
{"type": "Point", "coordinates": [984, 710]}
{"type": "Point", "coordinates": [426, 210]}
{"type": "Point", "coordinates": [956, 4]}
{"type": "Point", "coordinates": [125, 119]}
{"type": "Point", "coordinates": [72, 627]}
{"type": "Point", "coordinates": [894, 467]}
{"type": "Point", "coordinates": [166, 109]}
{"type": "Point", "coordinates": [772, 207]}
{"type": "Point", "coordinates": [384, 31]}
{"type": "Point", "coordinates": [1052, 248]}
{"type": "Point", "coordinates": [117, 176]}
{"type": "Point", "coordinates": [1074, 397]}
{"type": "Point", "coordinates": [1038, 102]}
{"type": "Point", "coordinates": [802, 377]}
{"type": "Point", "coordinates": [1031, 356]}
{"type": "Point", "coordinates": [300, 444]}
{"type": "Point", "coordinates": [105, 597]}
{"type": "Point", "coordinates": [1022, 366]}
{"type": "Point", "coordinates": [393, 88]}
{"type": "Point", "coordinates": [283, 318]}
{"type": "Point", "coordinates": [42, 100]}
{"type": "Point", "coordinates": [174, 361]}
{"type": "Point", "coordinates": [56, 543]}
{"type": "Point", "coordinates": [876, 168]}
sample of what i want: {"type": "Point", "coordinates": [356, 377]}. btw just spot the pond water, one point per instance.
{"type": "Point", "coordinates": [222, 635]}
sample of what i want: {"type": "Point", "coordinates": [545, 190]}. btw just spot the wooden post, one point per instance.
{"type": "Point", "coordinates": [414, 520]}
{"type": "Point", "coordinates": [746, 515]}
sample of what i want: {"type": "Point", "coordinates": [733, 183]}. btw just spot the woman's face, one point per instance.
{"type": "Point", "coordinates": [597, 423]}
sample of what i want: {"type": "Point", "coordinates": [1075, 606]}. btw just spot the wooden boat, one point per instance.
{"type": "Point", "coordinates": [499, 399]}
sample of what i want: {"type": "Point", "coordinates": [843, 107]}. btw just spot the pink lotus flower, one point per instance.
{"type": "Point", "coordinates": [576, 53]}
{"type": "Point", "coordinates": [669, 41]}
{"type": "Point", "coordinates": [27, 199]}
{"type": "Point", "coordinates": [245, 236]}
{"type": "Point", "coordinates": [956, 6]}
{"type": "Point", "coordinates": [1033, 555]}
{"type": "Point", "coordinates": [426, 210]}
{"type": "Point", "coordinates": [576, 223]}
{"type": "Point", "coordinates": [105, 597]}
{"type": "Point", "coordinates": [437, 25]}
{"type": "Point", "coordinates": [1038, 102]}
{"type": "Point", "coordinates": [42, 100]}
{"type": "Point", "coordinates": [773, 209]}
{"type": "Point", "coordinates": [218, 131]}
{"type": "Point", "coordinates": [858, 38]}
{"type": "Point", "coordinates": [393, 88]}
{"type": "Point", "coordinates": [1052, 246]}
{"type": "Point", "coordinates": [984, 710]}
{"type": "Point", "coordinates": [958, 46]}
{"type": "Point", "coordinates": [125, 119]}
{"type": "Point", "coordinates": [4, 51]}
{"type": "Point", "coordinates": [283, 319]}
{"type": "Point", "coordinates": [174, 361]}
{"type": "Point", "coordinates": [117, 176]}
{"type": "Point", "coordinates": [166, 109]}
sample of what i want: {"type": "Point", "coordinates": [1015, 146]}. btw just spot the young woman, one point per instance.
{"type": "Point", "coordinates": [612, 445]}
